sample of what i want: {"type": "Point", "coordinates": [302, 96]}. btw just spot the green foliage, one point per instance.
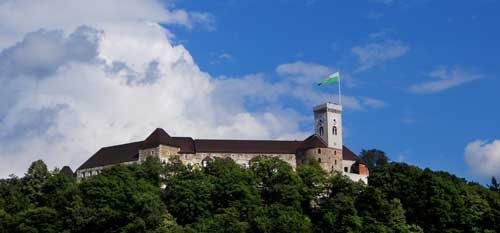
{"type": "Point", "coordinates": [438, 201]}
{"type": "Point", "coordinates": [374, 158]}
{"type": "Point", "coordinates": [494, 186]}
{"type": "Point", "coordinates": [223, 197]}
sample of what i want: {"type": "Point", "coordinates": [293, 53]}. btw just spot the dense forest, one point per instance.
{"type": "Point", "coordinates": [268, 197]}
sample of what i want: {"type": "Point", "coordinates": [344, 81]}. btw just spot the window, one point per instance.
{"type": "Point", "coordinates": [319, 151]}
{"type": "Point", "coordinates": [346, 169]}
{"type": "Point", "coordinates": [335, 162]}
{"type": "Point", "coordinates": [152, 152]}
{"type": "Point", "coordinates": [319, 160]}
{"type": "Point", "coordinates": [334, 130]}
{"type": "Point", "coordinates": [334, 152]}
{"type": "Point", "coordinates": [321, 131]}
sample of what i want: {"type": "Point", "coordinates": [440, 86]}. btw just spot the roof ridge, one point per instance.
{"type": "Point", "coordinates": [250, 140]}
{"type": "Point", "coordinates": [124, 144]}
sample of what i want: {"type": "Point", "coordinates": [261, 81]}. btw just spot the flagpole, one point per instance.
{"type": "Point", "coordinates": [340, 94]}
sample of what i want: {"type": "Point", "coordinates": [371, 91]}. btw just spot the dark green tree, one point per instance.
{"type": "Point", "coordinates": [34, 179]}
{"type": "Point", "coordinates": [374, 158]}
{"type": "Point", "coordinates": [277, 182]}
{"type": "Point", "coordinates": [494, 186]}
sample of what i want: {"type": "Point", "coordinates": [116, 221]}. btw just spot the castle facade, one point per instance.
{"type": "Point", "coordinates": [325, 146]}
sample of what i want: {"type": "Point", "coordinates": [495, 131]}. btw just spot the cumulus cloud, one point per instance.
{"type": "Point", "coordinates": [483, 158]}
{"type": "Point", "coordinates": [68, 89]}
{"type": "Point", "coordinates": [444, 79]}
{"type": "Point", "coordinates": [110, 15]}
{"type": "Point", "coordinates": [378, 53]}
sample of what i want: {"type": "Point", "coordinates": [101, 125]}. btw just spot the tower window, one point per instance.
{"type": "Point", "coordinates": [321, 131]}
{"type": "Point", "coordinates": [319, 151]}
{"type": "Point", "coordinates": [346, 169]}
{"type": "Point", "coordinates": [152, 152]}
{"type": "Point", "coordinates": [334, 130]}
{"type": "Point", "coordinates": [319, 160]}
{"type": "Point", "coordinates": [334, 152]}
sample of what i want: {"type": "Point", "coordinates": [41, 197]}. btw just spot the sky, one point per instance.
{"type": "Point", "coordinates": [419, 77]}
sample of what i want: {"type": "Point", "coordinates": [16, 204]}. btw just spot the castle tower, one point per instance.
{"type": "Point", "coordinates": [328, 124]}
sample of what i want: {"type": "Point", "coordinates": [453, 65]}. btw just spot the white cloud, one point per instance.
{"type": "Point", "coordinates": [304, 70]}
{"type": "Point", "coordinates": [483, 158]}
{"type": "Point", "coordinates": [301, 79]}
{"type": "Point", "coordinates": [444, 79]}
{"type": "Point", "coordinates": [372, 102]}
{"type": "Point", "coordinates": [375, 54]}
{"type": "Point", "coordinates": [111, 82]}
{"type": "Point", "coordinates": [22, 16]}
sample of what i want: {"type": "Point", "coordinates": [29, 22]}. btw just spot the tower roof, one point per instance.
{"type": "Point", "coordinates": [158, 137]}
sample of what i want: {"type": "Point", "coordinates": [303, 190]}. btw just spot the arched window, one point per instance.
{"type": "Point", "coordinates": [334, 130]}
{"type": "Point", "coordinates": [321, 131]}
{"type": "Point", "coordinates": [319, 160]}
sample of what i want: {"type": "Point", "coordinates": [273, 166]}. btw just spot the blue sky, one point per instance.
{"type": "Point", "coordinates": [427, 129]}
{"type": "Point", "coordinates": [419, 77]}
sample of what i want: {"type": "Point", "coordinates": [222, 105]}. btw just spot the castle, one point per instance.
{"type": "Point", "coordinates": [325, 146]}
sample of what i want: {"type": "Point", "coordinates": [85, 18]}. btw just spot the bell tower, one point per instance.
{"type": "Point", "coordinates": [328, 124]}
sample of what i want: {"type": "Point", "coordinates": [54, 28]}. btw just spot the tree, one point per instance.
{"type": "Point", "coordinates": [34, 179]}
{"type": "Point", "coordinates": [494, 186]}
{"type": "Point", "coordinates": [374, 158]}
{"type": "Point", "coordinates": [276, 181]}
{"type": "Point", "coordinates": [314, 178]}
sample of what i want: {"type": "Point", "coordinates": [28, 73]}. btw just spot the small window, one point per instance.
{"type": "Point", "coordinates": [334, 152]}
{"type": "Point", "coordinates": [321, 131]}
{"type": "Point", "coordinates": [152, 152]}
{"type": "Point", "coordinates": [334, 130]}
{"type": "Point", "coordinates": [335, 162]}
{"type": "Point", "coordinates": [346, 169]}
{"type": "Point", "coordinates": [319, 160]}
{"type": "Point", "coordinates": [319, 151]}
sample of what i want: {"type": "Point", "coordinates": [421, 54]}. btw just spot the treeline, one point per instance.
{"type": "Point", "coordinates": [268, 197]}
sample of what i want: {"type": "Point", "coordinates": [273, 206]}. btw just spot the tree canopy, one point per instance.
{"type": "Point", "coordinates": [269, 196]}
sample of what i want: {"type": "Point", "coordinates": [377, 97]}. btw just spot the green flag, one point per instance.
{"type": "Point", "coordinates": [332, 78]}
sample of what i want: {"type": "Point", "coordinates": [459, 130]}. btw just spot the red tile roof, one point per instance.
{"type": "Point", "coordinates": [349, 155]}
{"type": "Point", "coordinates": [246, 146]}
{"type": "Point", "coordinates": [113, 155]}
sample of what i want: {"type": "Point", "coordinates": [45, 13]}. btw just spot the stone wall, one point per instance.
{"type": "Point", "coordinates": [239, 158]}
{"type": "Point", "coordinates": [162, 151]}
{"type": "Point", "coordinates": [330, 159]}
